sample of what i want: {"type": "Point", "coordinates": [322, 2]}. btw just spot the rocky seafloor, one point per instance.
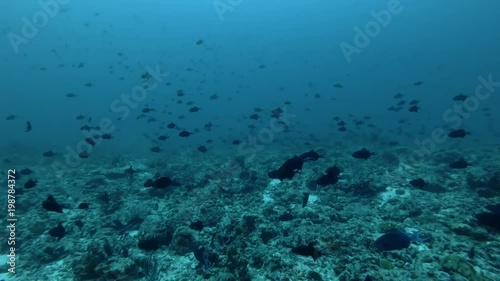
{"type": "Point", "coordinates": [240, 209]}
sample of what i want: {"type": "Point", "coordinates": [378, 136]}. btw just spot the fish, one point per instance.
{"type": "Point", "coordinates": [309, 156]}
{"type": "Point", "coordinates": [197, 225]}
{"type": "Point", "coordinates": [71, 95]}
{"type": "Point", "coordinates": [420, 183]}
{"type": "Point", "coordinates": [214, 97]}
{"type": "Point", "coordinates": [171, 125]}
{"type": "Point", "coordinates": [287, 169]}
{"type": "Point", "coordinates": [368, 278]}
{"type": "Point", "coordinates": [460, 133]}
{"type": "Point", "coordinates": [308, 251]}
{"type": "Point", "coordinates": [363, 154]}
{"type": "Point", "coordinates": [460, 164]}
{"type": "Point", "coordinates": [460, 97]}
{"type": "Point", "coordinates": [331, 176]}
{"type": "Point", "coordinates": [79, 223]}
{"type": "Point", "coordinates": [202, 149]}
{"type": "Point", "coordinates": [83, 206]}
{"type": "Point", "coordinates": [285, 217]}
{"type": "Point", "coordinates": [147, 110]}
{"type": "Point", "coordinates": [59, 232]}
{"type": "Point", "coordinates": [413, 102]}
{"type": "Point", "coordinates": [130, 171]}
{"type": "Point", "coordinates": [194, 109]}
{"type": "Point", "coordinates": [489, 219]}
{"type": "Point", "coordinates": [255, 116]}
{"type": "Point", "coordinates": [106, 136]}
{"type": "Point", "coordinates": [155, 149]}
{"type": "Point", "coordinates": [10, 117]}
{"type": "Point", "coordinates": [305, 199]}
{"type": "Point", "coordinates": [162, 138]}
{"type": "Point", "coordinates": [84, 154]}
{"type": "Point", "coordinates": [418, 83]}
{"type": "Point", "coordinates": [51, 205]}
{"type": "Point", "coordinates": [236, 142]}
{"type": "Point", "coordinates": [25, 172]}
{"type": "Point", "coordinates": [398, 96]}
{"type": "Point", "coordinates": [159, 183]}
{"type": "Point", "coordinates": [28, 126]}
{"type": "Point", "coordinates": [414, 108]}
{"type": "Point", "coordinates": [90, 141]}
{"type": "Point", "coordinates": [342, 129]}
{"type": "Point", "coordinates": [391, 241]}
{"type": "Point", "coordinates": [184, 134]}
{"type": "Point", "coordinates": [199, 42]}
{"type": "Point", "coordinates": [338, 86]}
{"type": "Point", "coordinates": [341, 124]}
{"type": "Point", "coordinates": [89, 85]}
{"type": "Point", "coordinates": [30, 184]}
{"type": "Point", "coordinates": [49, 154]}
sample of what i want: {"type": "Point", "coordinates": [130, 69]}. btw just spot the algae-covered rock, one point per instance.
{"type": "Point", "coordinates": [460, 265]}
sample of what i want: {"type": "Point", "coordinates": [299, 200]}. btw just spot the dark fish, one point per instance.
{"type": "Point", "coordinates": [202, 148]}
{"type": "Point", "coordinates": [310, 156]}
{"type": "Point", "coordinates": [342, 129]}
{"type": "Point", "coordinates": [471, 253]}
{"type": "Point", "coordinates": [398, 96]}
{"type": "Point", "coordinates": [79, 223]}
{"type": "Point", "coordinates": [418, 83]}
{"type": "Point", "coordinates": [460, 164]}
{"type": "Point", "coordinates": [199, 42]}
{"type": "Point", "coordinates": [420, 183]}
{"type": "Point", "coordinates": [10, 117]}
{"type": "Point", "coordinates": [395, 240]}
{"type": "Point", "coordinates": [308, 251]}
{"type": "Point", "coordinates": [84, 154]}
{"type": "Point", "coordinates": [362, 154]}
{"type": "Point", "coordinates": [51, 205]}
{"type": "Point", "coordinates": [130, 171]}
{"type": "Point", "coordinates": [288, 169]}
{"type": "Point", "coordinates": [58, 231]}
{"type": "Point", "coordinates": [147, 110]}
{"type": "Point", "coordinates": [194, 109]}
{"type": "Point", "coordinates": [28, 126]}
{"type": "Point", "coordinates": [214, 97]}
{"type": "Point", "coordinates": [89, 84]}
{"type": "Point", "coordinates": [106, 136]}
{"type": "Point", "coordinates": [49, 154]}
{"type": "Point", "coordinates": [413, 108]}
{"type": "Point", "coordinates": [460, 133]}
{"type": "Point", "coordinates": [305, 199]}
{"type": "Point", "coordinates": [90, 141]}
{"type": "Point", "coordinates": [494, 208]}
{"type": "Point", "coordinates": [83, 206]}
{"type": "Point", "coordinates": [338, 86]}
{"type": "Point", "coordinates": [285, 217]}
{"type": "Point", "coordinates": [255, 116]}
{"type": "Point", "coordinates": [341, 124]}
{"type": "Point", "coordinates": [85, 128]}
{"type": "Point", "coordinates": [331, 177]}
{"type": "Point", "coordinates": [460, 97]}
{"type": "Point", "coordinates": [414, 102]}
{"type": "Point", "coordinates": [401, 103]}
{"type": "Point", "coordinates": [71, 95]}
{"type": "Point", "coordinates": [197, 225]}
{"type": "Point", "coordinates": [159, 183]}
{"type": "Point", "coordinates": [368, 278]}
{"type": "Point", "coordinates": [180, 93]}
{"type": "Point", "coordinates": [26, 172]}
{"type": "Point", "coordinates": [30, 184]}
{"type": "Point", "coordinates": [184, 134]}
{"type": "Point", "coordinates": [489, 219]}
{"type": "Point", "coordinates": [155, 149]}
{"type": "Point", "coordinates": [162, 138]}
{"type": "Point", "coordinates": [150, 244]}
{"type": "Point", "coordinates": [80, 117]}
{"type": "Point", "coordinates": [236, 142]}
{"type": "Point", "coordinates": [171, 125]}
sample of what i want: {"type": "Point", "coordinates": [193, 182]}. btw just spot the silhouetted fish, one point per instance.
{"type": "Point", "coordinates": [460, 133]}
{"type": "Point", "coordinates": [413, 108]}
{"type": "Point", "coordinates": [51, 205]}
{"type": "Point", "coordinates": [288, 169]}
{"type": "Point", "coordinates": [161, 182]}
{"type": "Point", "coordinates": [362, 154]}
{"type": "Point", "coordinates": [184, 134]}
{"type": "Point", "coordinates": [331, 177]}
{"type": "Point", "coordinates": [28, 126]}
{"type": "Point", "coordinates": [202, 148]}
{"type": "Point", "coordinates": [460, 164]}
{"type": "Point", "coordinates": [420, 183]}
{"type": "Point", "coordinates": [395, 240]}
{"type": "Point", "coordinates": [308, 251]}
{"type": "Point", "coordinates": [30, 184]}
{"type": "Point", "coordinates": [460, 97]}
{"type": "Point", "coordinates": [310, 156]}
{"type": "Point", "coordinates": [58, 231]}
{"type": "Point", "coordinates": [49, 154]}
{"type": "Point", "coordinates": [26, 172]}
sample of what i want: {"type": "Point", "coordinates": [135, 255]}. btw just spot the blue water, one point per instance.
{"type": "Point", "coordinates": [253, 53]}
